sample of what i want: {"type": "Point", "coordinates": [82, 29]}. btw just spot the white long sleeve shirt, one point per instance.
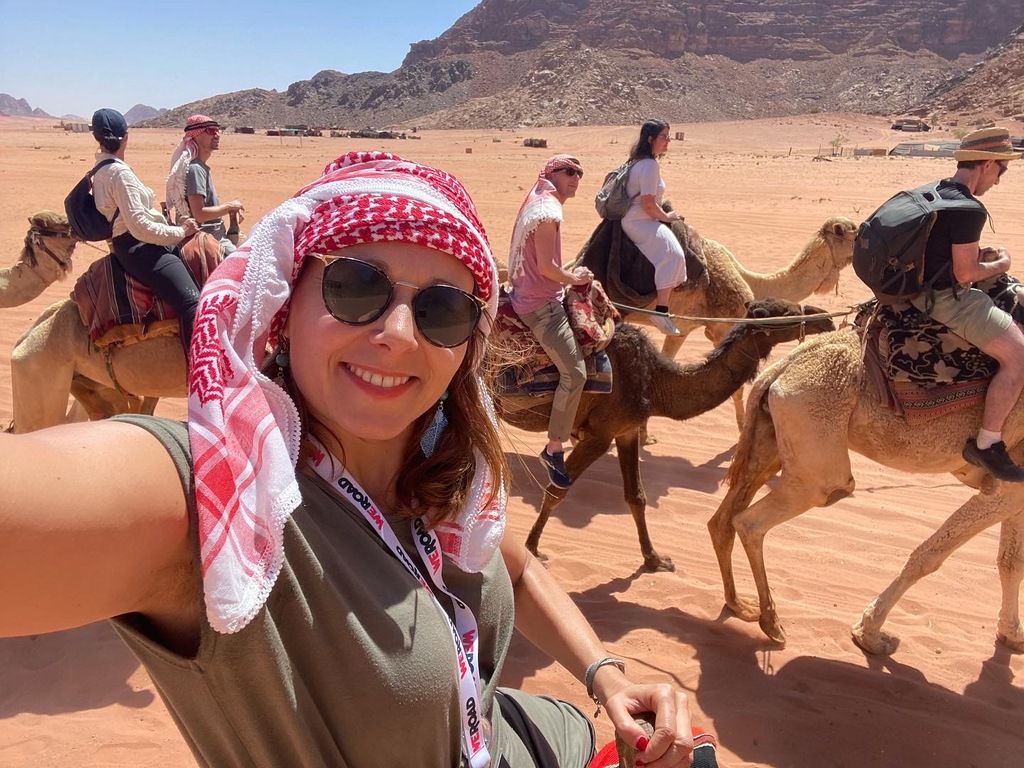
{"type": "Point", "coordinates": [115, 187]}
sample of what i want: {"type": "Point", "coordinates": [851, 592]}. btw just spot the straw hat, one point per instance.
{"type": "Point", "coordinates": [986, 144]}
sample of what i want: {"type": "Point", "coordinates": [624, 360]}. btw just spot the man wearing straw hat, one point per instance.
{"type": "Point", "coordinates": [954, 261]}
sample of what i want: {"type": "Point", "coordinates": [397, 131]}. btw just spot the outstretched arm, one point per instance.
{"type": "Point", "coordinates": [549, 619]}
{"type": "Point", "coordinates": [94, 524]}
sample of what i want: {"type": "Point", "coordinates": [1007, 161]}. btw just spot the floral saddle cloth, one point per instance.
{"type": "Point", "coordinates": [526, 368]}
{"type": "Point", "coordinates": [918, 366]}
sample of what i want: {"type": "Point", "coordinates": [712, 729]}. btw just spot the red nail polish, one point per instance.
{"type": "Point", "coordinates": [641, 745]}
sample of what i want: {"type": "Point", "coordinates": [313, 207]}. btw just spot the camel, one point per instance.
{"type": "Point", "coordinates": [649, 384]}
{"type": "Point", "coordinates": [56, 357]}
{"type": "Point", "coordinates": [731, 287]}
{"type": "Point", "coordinates": [814, 270]}
{"type": "Point", "coordinates": [45, 258]}
{"type": "Point", "coordinates": [804, 415]}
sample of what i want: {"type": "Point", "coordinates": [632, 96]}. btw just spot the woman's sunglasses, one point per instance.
{"type": "Point", "coordinates": [357, 293]}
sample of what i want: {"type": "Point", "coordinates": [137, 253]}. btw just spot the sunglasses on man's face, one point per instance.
{"type": "Point", "coordinates": [1004, 166]}
{"type": "Point", "coordinates": [357, 293]}
{"type": "Point", "coordinates": [571, 172]}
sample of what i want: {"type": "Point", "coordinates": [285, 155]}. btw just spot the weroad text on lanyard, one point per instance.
{"type": "Point", "coordinates": [464, 630]}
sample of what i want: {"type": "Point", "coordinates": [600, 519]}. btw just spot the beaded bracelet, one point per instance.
{"type": "Point", "coordinates": [588, 678]}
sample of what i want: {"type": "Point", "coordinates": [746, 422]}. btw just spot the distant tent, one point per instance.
{"type": "Point", "coordinates": [925, 149]}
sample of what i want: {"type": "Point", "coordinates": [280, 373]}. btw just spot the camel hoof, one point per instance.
{"type": "Point", "coordinates": [1012, 640]}
{"type": "Point", "coordinates": [655, 563]}
{"type": "Point", "coordinates": [875, 642]}
{"type": "Point", "coordinates": [648, 439]}
{"type": "Point", "coordinates": [771, 626]}
{"type": "Point", "coordinates": [743, 609]}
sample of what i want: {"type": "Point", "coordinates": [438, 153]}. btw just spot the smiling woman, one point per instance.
{"type": "Point", "coordinates": [280, 613]}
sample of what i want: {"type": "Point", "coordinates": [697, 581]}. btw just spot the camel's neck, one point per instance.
{"type": "Point", "coordinates": [797, 280]}
{"type": "Point", "coordinates": [20, 284]}
{"type": "Point", "coordinates": [684, 391]}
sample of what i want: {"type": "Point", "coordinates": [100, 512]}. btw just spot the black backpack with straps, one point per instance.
{"type": "Point", "coordinates": [86, 222]}
{"type": "Point", "coordinates": [889, 252]}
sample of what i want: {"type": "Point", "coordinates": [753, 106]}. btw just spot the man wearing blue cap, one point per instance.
{"type": "Point", "coordinates": [143, 240]}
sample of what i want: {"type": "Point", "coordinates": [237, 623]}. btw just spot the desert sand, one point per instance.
{"type": "Point", "coordinates": [949, 695]}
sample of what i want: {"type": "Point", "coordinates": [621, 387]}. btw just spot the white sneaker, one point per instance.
{"type": "Point", "coordinates": [664, 324]}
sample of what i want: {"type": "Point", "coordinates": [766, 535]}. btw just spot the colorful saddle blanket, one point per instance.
{"type": "Point", "coordinates": [921, 368]}
{"type": "Point", "coordinates": [117, 309]}
{"type": "Point", "coordinates": [593, 319]}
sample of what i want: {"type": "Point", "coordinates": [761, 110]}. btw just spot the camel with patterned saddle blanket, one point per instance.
{"type": "Point", "coordinates": [807, 412]}
{"type": "Point", "coordinates": [646, 384]}
{"type": "Point", "coordinates": [113, 345]}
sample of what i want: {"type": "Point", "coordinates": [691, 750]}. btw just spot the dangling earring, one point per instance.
{"type": "Point", "coordinates": [428, 443]}
{"type": "Point", "coordinates": [281, 360]}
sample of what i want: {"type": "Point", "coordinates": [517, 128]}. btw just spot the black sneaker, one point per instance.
{"type": "Point", "coordinates": [994, 460]}
{"type": "Point", "coordinates": [555, 465]}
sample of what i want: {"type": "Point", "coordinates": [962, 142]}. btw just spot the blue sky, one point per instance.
{"type": "Point", "coordinates": [75, 56]}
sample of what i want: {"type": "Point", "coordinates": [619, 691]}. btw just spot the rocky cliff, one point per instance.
{"type": "Point", "coordinates": [536, 62]}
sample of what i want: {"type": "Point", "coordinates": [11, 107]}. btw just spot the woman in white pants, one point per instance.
{"type": "Point", "coordinates": [645, 217]}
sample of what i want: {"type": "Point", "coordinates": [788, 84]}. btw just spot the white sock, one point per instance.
{"type": "Point", "coordinates": [987, 439]}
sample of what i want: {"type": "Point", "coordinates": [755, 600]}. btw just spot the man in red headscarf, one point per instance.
{"type": "Point", "coordinates": [190, 189]}
{"type": "Point", "coordinates": [538, 282]}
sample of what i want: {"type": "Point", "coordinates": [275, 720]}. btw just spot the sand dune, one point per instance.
{"type": "Point", "coordinates": [949, 696]}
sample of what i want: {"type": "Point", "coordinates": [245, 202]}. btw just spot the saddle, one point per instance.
{"type": "Point", "coordinates": [524, 368]}
{"type": "Point", "coordinates": [626, 274]}
{"type": "Point", "coordinates": [917, 366]}
{"type": "Point", "coordinates": [119, 310]}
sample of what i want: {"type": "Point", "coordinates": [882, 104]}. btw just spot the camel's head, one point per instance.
{"type": "Point", "coordinates": [778, 327]}
{"type": "Point", "coordinates": [832, 248]}
{"type": "Point", "coordinates": [49, 241]}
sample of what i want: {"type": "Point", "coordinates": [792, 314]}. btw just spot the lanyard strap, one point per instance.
{"type": "Point", "coordinates": [465, 636]}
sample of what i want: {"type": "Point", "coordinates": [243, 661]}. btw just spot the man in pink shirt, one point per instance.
{"type": "Point", "coordinates": [538, 282]}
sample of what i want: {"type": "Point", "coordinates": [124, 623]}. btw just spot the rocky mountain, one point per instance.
{"type": "Point", "coordinates": [537, 62]}
{"type": "Point", "coordinates": [140, 113]}
{"type": "Point", "coordinates": [990, 90]}
{"type": "Point", "coordinates": [12, 107]}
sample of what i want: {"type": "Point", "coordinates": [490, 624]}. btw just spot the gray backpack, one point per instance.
{"type": "Point", "coordinates": [612, 201]}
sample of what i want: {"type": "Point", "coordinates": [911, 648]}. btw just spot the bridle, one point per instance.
{"type": "Point", "coordinates": [36, 238]}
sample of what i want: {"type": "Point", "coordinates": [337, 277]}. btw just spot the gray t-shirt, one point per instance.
{"type": "Point", "coordinates": [349, 663]}
{"type": "Point", "coordinates": [198, 181]}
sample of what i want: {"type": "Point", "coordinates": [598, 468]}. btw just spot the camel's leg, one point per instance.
{"type": "Point", "coordinates": [586, 452]}
{"type": "Point", "coordinates": [41, 373]}
{"type": "Point", "coordinates": [815, 473]}
{"type": "Point", "coordinates": [1010, 631]}
{"type": "Point", "coordinates": [628, 446]}
{"type": "Point", "coordinates": [977, 514]}
{"type": "Point", "coordinates": [756, 460]}
{"type": "Point", "coordinates": [149, 405]}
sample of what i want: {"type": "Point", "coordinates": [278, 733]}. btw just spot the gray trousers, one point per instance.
{"type": "Point", "coordinates": [550, 326]}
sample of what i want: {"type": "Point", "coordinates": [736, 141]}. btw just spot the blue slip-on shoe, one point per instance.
{"type": "Point", "coordinates": [555, 465]}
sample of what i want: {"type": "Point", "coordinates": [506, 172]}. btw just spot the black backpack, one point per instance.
{"type": "Point", "coordinates": [85, 220]}
{"type": "Point", "coordinates": [889, 252]}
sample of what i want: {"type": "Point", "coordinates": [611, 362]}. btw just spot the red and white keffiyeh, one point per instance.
{"type": "Point", "coordinates": [540, 205]}
{"type": "Point", "coordinates": [183, 155]}
{"type": "Point", "coordinates": [244, 429]}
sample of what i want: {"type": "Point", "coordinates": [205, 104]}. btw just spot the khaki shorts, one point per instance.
{"type": "Point", "coordinates": [973, 315]}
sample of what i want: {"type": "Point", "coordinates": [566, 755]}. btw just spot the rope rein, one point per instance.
{"type": "Point", "coordinates": [738, 320]}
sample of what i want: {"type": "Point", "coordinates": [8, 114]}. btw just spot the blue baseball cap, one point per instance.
{"type": "Point", "coordinates": [109, 124]}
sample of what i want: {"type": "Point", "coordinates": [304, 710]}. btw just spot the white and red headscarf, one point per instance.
{"type": "Point", "coordinates": [184, 153]}
{"type": "Point", "coordinates": [244, 429]}
{"type": "Point", "coordinates": [540, 205]}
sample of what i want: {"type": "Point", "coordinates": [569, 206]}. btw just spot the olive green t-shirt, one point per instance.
{"type": "Point", "coordinates": [350, 662]}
